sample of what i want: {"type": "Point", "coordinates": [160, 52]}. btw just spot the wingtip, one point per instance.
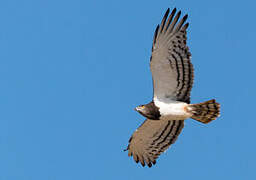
{"type": "Point", "coordinates": [155, 35]}
{"type": "Point", "coordinates": [185, 27]}
{"type": "Point", "coordinates": [166, 13]}
{"type": "Point", "coordinates": [185, 17]}
{"type": "Point", "coordinates": [173, 12]}
{"type": "Point", "coordinates": [149, 165]}
{"type": "Point", "coordinates": [187, 24]}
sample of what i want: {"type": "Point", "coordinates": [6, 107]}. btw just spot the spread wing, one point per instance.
{"type": "Point", "coordinates": [152, 138]}
{"type": "Point", "coordinates": [170, 63]}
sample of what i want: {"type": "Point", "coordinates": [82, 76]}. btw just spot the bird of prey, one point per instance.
{"type": "Point", "coordinates": [173, 75]}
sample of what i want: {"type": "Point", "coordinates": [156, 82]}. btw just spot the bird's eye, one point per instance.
{"type": "Point", "coordinates": [142, 106]}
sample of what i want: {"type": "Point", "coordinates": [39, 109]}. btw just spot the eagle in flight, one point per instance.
{"type": "Point", "coordinates": [172, 73]}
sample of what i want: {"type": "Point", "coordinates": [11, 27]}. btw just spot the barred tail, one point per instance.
{"type": "Point", "coordinates": [205, 112]}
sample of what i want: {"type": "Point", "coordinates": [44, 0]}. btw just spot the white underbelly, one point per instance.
{"type": "Point", "coordinates": [173, 110]}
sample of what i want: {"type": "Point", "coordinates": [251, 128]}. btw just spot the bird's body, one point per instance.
{"type": "Point", "coordinates": [173, 110]}
{"type": "Point", "coordinates": [173, 76]}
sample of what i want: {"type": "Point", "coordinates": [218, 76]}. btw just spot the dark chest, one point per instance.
{"type": "Point", "coordinates": [153, 111]}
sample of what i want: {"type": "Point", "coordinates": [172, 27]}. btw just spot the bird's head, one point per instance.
{"type": "Point", "coordinates": [141, 109]}
{"type": "Point", "coordinates": [148, 111]}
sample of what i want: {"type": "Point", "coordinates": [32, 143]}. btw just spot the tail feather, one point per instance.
{"type": "Point", "coordinates": [205, 112]}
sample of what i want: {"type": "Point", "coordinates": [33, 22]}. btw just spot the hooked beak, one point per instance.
{"type": "Point", "coordinates": [136, 109]}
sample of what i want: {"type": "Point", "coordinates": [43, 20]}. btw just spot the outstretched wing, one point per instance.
{"type": "Point", "coordinates": [170, 63]}
{"type": "Point", "coordinates": [152, 138]}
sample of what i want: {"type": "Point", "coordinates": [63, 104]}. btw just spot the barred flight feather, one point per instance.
{"type": "Point", "coordinates": [153, 138]}
{"type": "Point", "coordinates": [170, 63]}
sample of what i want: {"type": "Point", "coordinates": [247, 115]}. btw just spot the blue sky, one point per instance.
{"type": "Point", "coordinates": [71, 73]}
